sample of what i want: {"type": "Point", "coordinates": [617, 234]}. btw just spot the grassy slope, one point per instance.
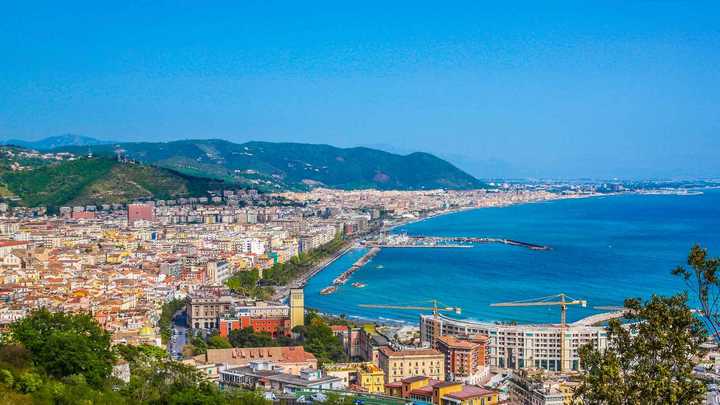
{"type": "Point", "coordinates": [100, 180]}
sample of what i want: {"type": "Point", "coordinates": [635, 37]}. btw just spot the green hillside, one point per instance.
{"type": "Point", "coordinates": [95, 181]}
{"type": "Point", "coordinates": [296, 166]}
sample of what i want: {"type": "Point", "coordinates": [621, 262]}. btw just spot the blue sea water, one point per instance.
{"type": "Point", "coordinates": [604, 249]}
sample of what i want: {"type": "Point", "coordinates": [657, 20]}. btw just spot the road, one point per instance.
{"type": "Point", "coordinates": [178, 339]}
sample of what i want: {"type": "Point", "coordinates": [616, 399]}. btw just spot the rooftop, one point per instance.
{"type": "Point", "coordinates": [387, 351]}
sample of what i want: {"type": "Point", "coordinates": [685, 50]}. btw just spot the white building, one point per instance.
{"type": "Point", "coordinates": [522, 346]}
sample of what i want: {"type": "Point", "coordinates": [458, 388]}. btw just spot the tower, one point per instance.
{"type": "Point", "coordinates": [297, 307]}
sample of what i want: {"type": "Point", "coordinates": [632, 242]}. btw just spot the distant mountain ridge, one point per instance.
{"type": "Point", "coordinates": [279, 166]}
{"type": "Point", "coordinates": [57, 141]}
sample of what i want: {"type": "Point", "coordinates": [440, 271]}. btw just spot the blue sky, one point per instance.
{"type": "Point", "coordinates": [561, 89]}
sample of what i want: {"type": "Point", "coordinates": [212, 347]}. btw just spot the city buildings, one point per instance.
{"type": "Point", "coordinates": [401, 364]}
{"type": "Point", "coordinates": [206, 305]}
{"type": "Point", "coordinates": [363, 377]}
{"type": "Point", "coordinates": [423, 389]}
{"type": "Point", "coordinates": [140, 212]}
{"type": "Point", "coordinates": [522, 346]}
{"type": "Point", "coordinates": [464, 357]}
{"type": "Point", "coordinates": [292, 359]}
{"type": "Point", "coordinates": [268, 376]}
{"type": "Point", "coordinates": [533, 387]}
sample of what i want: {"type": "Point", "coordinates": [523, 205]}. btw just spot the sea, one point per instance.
{"type": "Point", "coordinates": [603, 250]}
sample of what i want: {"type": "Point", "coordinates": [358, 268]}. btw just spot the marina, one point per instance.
{"type": "Point", "coordinates": [395, 241]}
{"type": "Point", "coordinates": [345, 276]}
{"type": "Point", "coordinates": [580, 261]}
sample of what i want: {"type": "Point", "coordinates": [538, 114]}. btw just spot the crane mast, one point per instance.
{"type": "Point", "coordinates": [436, 308]}
{"type": "Point", "coordinates": [560, 300]}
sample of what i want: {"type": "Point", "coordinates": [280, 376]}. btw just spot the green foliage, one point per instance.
{"type": "Point", "coordinates": [218, 342]}
{"type": "Point", "coordinates": [245, 283]}
{"type": "Point", "coordinates": [317, 338]}
{"type": "Point", "coordinates": [98, 180]}
{"type": "Point", "coordinates": [288, 165]}
{"type": "Point", "coordinates": [168, 382]}
{"type": "Point", "coordinates": [282, 273]}
{"type": "Point", "coordinates": [133, 354]}
{"type": "Point", "coordinates": [28, 382]}
{"type": "Point", "coordinates": [64, 344]}
{"type": "Point", "coordinates": [199, 345]}
{"type": "Point", "coordinates": [57, 184]}
{"type": "Point", "coordinates": [703, 281]}
{"type": "Point", "coordinates": [650, 361]}
{"type": "Point", "coordinates": [247, 337]}
{"type": "Point", "coordinates": [28, 377]}
{"type": "Point", "coordinates": [241, 397]}
{"type": "Point", "coordinates": [166, 316]}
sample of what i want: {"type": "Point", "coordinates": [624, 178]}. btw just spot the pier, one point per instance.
{"type": "Point", "coordinates": [421, 241]}
{"type": "Point", "coordinates": [345, 276]}
{"type": "Point", "coordinates": [424, 241]}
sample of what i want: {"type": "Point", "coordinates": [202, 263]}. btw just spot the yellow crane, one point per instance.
{"type": "Point", "coordinates": [561, 300]}
{"type": "Point", "coordinates": [436, 308]}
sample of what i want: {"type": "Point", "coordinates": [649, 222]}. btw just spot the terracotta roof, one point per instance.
{"type": "Point", "coordinates": [414, 379]}
{"type": "Point", "coordinates": [8, 243]}
{"type": "Point", "coordinates": [339, 328]}
{"type": "Point", "coordinates": [462, 343]}
{"type": "Point", "coordinates": [288, 354]}
{"type": "Point", "coordinates": [469, 391]}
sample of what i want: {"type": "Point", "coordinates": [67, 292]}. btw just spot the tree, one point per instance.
{"type": "Point", "coordinates": [199, 346]}
{"type": "Point", "coordinates": [649, 360]}
{"type": "Point", "coordinates": [133, 353]}
{"type": "Point", "coordinates": [702, 279]}
{"type": "Point", "coordinates": [66, 344]}
{"type": "Point", "coordinates": [166, 316]}
{"type": "Point", "coordinates": [247, 337]}
{"type": "Point", "coordinates": [165, 381]}
{"type": "Point", "coordinates": [218, 342]}
{"type": "Point", "coordinates": [317, 338]}
{"type": "Point", "coordinates": [243, 397]}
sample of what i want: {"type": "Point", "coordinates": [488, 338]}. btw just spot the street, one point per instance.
{"type": "Point", "coordinates": [178, 339]}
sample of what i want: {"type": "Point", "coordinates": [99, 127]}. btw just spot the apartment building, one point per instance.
{"type": "Point", "coordinates": [464, 357]}
{"type": "Point", "coordinates": [522, 346]}
{"type": "Point", "coordinates": [400, 364]}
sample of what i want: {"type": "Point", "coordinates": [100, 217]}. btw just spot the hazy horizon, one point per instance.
{"type": "Point", "coordinates": [529, 90]}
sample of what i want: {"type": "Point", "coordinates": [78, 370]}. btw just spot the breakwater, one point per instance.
{"type": "Point", "coordinates": [345, 276]}
{"type": "Point", "coordinates": [424, 241]}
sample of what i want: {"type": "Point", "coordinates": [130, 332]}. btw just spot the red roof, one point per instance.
{"type": "Point", "coordinates": [469, 391]}
{"type": "Point", "coordinates": [8, 243]}
{"type": "Point", "coordinates": [339, 328]}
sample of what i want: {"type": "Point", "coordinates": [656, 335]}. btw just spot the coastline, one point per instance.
{"type": "Point", "coordinates": [281, 293]}
{"type": "Point", "coordinates": [395, 226]}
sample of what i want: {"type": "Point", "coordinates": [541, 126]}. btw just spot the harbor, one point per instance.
{"type": "Point", "coordinates": [423, 241]}
{"type": "Point", "coordinates": [390, 241]}
{"type": "Point", "coordinates": [345, 276]}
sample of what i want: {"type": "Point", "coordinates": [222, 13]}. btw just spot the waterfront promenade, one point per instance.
{"type": "Point", "coordinates": [282, 292]}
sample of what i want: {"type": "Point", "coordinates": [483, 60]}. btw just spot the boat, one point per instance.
{"type": "Point", "coordinates": [328, 290]}
{"type": "Point", "coordinates": [358, 284]}
{"type": "Point", "coordinates": [380, 266]}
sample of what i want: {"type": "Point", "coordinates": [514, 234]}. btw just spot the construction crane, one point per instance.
{"type": "Point", "coordinates": [561, 300]}
{"type": "Point", "coordinates": [436, 308]}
